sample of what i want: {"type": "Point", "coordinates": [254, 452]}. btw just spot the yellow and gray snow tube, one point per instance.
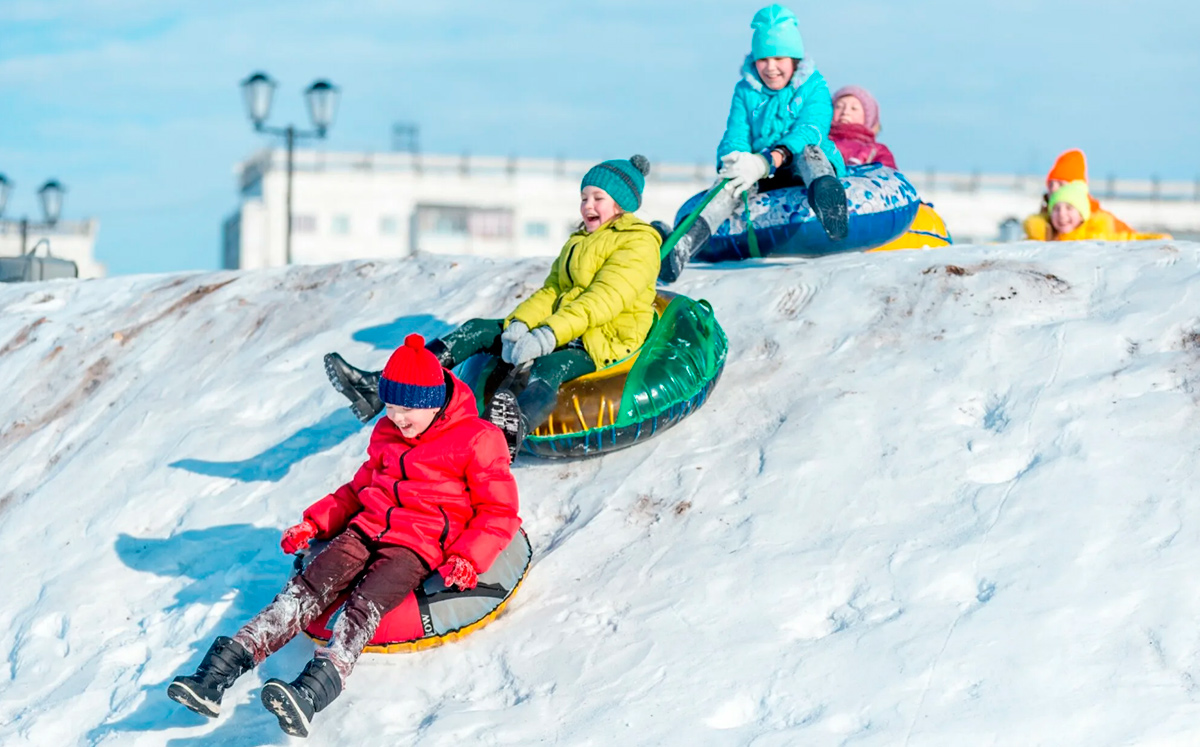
{"type": "Point", "coordinates": [434, 614]}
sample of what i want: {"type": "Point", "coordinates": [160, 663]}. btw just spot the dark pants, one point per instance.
{"type": "Point", "coordinates": [548, 373]}
{"type": "Point", "coordinates": [379, 578]}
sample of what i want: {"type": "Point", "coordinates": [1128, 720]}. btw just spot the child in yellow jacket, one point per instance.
{"type": "Point", "coordinates": [1072, 218]}
{"type": "Point", "coordinates": [594, 309]}
{"type": "Point", "coordinates": [1070, 166]}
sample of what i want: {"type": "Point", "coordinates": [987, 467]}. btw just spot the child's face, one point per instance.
{"type": "Point", "coordinates": [596, 207]}
{"type": "Point", "coordinates": [849, 110]}
{"type": "Point", "coordinates": [1065, 217]}
{"type": "Point", "coordinates": [412, 421]}
{"type": "Point", "coordinates": [775, 72]}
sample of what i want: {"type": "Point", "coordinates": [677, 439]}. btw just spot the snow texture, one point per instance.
{"type": "Point", "coordinates": [937, 498]}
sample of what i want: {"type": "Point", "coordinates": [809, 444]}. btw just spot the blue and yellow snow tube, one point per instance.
{"type": "Point", "coordinates": [882, 206]}
{"type": "Point", "coordinates": [669, 378]}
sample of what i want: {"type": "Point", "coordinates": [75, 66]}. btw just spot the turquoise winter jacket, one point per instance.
{"type": "Point", "coordinates": [795, 116]}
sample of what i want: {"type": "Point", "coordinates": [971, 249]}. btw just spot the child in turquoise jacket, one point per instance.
{"type": "Point", "coordinates": [776, 136]}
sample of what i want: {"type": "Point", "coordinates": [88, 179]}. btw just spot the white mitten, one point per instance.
{"type": "Point", "coordinates": [743, 170]}
{"type": "Point", "coordinates": [514, 332]}
{"type": "Point", "coordinates": [535, 344]}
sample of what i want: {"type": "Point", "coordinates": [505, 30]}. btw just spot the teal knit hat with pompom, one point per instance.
{"type": "Point", "coordinates": [623, 180]}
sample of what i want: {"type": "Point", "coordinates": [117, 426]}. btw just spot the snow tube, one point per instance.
{"type": "Point", "coordinates": [927, 231]}
{"type": "Point", "coordinates": [669, 378]}
{"type": "Point", "coordinates": [434, 614]}
{"type": "Point", "coordinates": [882, 206]}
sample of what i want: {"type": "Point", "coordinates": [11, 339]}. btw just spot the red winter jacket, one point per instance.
{"type": "Point", "coordinates": [445, 492]}
{"type": "Point", "coordinates": [857, 145]}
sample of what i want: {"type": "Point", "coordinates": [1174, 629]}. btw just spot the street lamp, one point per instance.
{"type": "Point", "coordinates": [322, 99]}
{"type": "Point", "coordinates": [51, 194]}
{"type": "Point", "coordinates": [52, 200]}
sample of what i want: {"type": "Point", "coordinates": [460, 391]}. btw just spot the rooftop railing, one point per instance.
{"type": "Point", "coordinates": [252, 170]}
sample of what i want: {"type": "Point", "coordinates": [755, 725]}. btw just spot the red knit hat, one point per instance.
{"type": "Point", "coordinates": [413, 377]}
{"type": "Point", "coordinates": [1071, 166]}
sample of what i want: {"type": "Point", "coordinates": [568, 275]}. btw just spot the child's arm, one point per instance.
{"type": "Point", "coordinates": [332, 513]}
{"type": "Point", "coordinates": [533, 310]}
{"type": "Point", "coordinates": [626, 273]}
{"type": "Point", "coordinates": [815, 117]}
{"type": "Point", "coordinates": [737, 127]}
{"type": "Point", "coordinates": [494, 500]}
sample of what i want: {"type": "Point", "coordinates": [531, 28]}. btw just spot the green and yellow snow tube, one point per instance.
{"type": "Point", "coordinates": [666, 380]}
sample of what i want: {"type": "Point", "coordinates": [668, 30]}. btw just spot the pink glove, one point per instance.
{"type": "Point", "coordinates": [296, 538]}
{"type": "Point", "coordinates": [458, 571]}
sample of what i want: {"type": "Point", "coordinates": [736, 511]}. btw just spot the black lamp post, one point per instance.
{"type": "Point", "coordinates": [51, 195]}
{"type": "Point", "coordinates": [322, 98]}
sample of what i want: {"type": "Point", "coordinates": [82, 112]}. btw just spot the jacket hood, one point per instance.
{"type": "Point", "coordinates": [804, 70]}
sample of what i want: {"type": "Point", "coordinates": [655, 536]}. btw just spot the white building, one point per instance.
{"type": "Point", "coordinates": [68, 239]}
{"type": "Point", "coordinates": [380, 205]}
{"type": "Point", "coordinates": [356, 205]}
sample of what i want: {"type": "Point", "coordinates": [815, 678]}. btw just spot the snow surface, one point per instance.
{"type": "Point", "coordinates": [938, 498]}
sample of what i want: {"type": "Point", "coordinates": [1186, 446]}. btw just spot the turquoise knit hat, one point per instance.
{"type": "Point", "coordinates": [623, 180]}
{"type": "Point", "coordinates": [776, 34]}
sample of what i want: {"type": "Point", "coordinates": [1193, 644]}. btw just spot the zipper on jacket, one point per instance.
{"type": "Point", "coordinates": [567, 265]}
{"type": "Point", "coordinates": [387, 517]}
{"type": "Point", "coordinates": [445, 529]}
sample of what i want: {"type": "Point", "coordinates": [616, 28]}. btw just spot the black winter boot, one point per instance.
{"type": "Point", "coordinates": [827, 198]}
{"type": "Point", "coordinates": [225, 661]}
{"type": "Point", "coordinates": [687, 246]}
{"type": "Point", "coordinates": [295, 702]}
{"type": "Point", "coordinates": [504, 412]}
{"type": "Point", "coordinates": [358, 386]}
{"type": "Point", "coordinates": [663, 229]}
{"type": "Point", "coordinates": [441, 352]}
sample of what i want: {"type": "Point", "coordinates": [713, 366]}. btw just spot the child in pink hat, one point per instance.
{"type": "Point", "coordinates": [855, 125]}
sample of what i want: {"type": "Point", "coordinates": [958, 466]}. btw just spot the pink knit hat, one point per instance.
{"type": "Point", "coordinates": [869, 104]}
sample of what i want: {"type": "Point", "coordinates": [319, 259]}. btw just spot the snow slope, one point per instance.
{"type": "Point", "coordinates": [938, 498]}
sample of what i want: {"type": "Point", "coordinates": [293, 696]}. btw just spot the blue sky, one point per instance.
{"type": "Point", "coordinates": [134, 104]}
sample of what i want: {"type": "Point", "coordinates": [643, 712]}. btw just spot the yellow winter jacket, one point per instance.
{"type": "Point", "coordinates": [1104, 227]}
{"type": "Point", "coordinates": [600, 288]}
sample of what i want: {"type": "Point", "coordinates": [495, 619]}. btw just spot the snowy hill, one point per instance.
{"type": "Point", "coordinates": [938, 498]}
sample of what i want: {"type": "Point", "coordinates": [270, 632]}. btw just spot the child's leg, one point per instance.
{"type": "Point", "coordinates": [826, 195]}
{"type": "Point", "coordinates": [392, 575]}
{"type": "Point", "coordinates": [473, 336]}
{"type": "Point", "coordinates": [549, 373]}
{"type": "Point", "coordinates": [306, 596]}
{"type": "Point", "coordinates": [362, 387]}
{"type": "Point", "coordinates": [517, 414]}
{"type": "Point", "coordinates": [716, 212]}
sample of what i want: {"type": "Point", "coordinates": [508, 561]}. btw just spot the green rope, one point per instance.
{"type": "Point", "coordinates": [687, 222]}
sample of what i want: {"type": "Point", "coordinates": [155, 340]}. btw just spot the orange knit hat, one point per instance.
{"type": "Point", "coordinates": [1071, 166]}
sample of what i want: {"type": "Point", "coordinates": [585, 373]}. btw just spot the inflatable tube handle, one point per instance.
{"type": "Point", "coordinates": [683, 227]}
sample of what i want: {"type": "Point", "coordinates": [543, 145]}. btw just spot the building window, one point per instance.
{"type": "Point", "coordinates": [340, 224]}
{"type": "Point", "coordinates": [388, 226]}
{"type": "Point", "coordinates": [304, 223]}
{"type": "Point", "coordinates": [454, 220]}
{"type": "Point", "coordinates": [537, 230]}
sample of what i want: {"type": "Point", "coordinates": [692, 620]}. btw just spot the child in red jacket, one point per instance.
{"type": "Point", "coordinates": [435, 492]}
